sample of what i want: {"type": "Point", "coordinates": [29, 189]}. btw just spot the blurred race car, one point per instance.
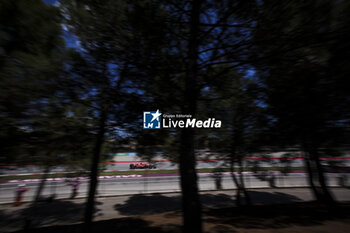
{"type": "Point", "coordinates": [143, 166]}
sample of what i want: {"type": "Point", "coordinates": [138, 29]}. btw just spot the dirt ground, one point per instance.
{"type": "Point", "coordinates": [285, 218]}
{"type": "Point", "coordinates": [292, 218]}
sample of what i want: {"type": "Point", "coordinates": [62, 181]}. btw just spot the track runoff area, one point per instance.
{"type": "Point", "coordinates": [119, 179]}
{"type": "Point", "coordinates": [128, 163]}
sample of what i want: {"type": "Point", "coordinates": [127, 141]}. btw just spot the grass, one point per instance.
{"type": "Point", "coordinates": [136, 172]}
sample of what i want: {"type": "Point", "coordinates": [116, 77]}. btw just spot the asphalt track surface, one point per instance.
{"type": "Point", "coordinates": [116, 185]}
{"type": "Point", "coordinates": [122, 163]}
{"type": "Point", "coordinates": [155, 183]}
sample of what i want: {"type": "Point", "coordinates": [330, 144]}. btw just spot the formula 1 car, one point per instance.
{"type": "Point", "coordinates": [143, 166]}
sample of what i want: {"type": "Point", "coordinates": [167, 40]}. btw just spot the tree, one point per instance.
{"type": "Point", "coordinates": [97, 75]}
{"type": "Point", "coordinates": [30, 61]}
{"type": "Point", "coordinates": [303, 89]}
{"type": "Point", "coordinates": [202, 34]}
{"type": "Point", "coordinates": [163, 47]}
{"type": "Point", "coordinates": [236, 100]}
{"type": "Point", "coordinates": [37, 118]}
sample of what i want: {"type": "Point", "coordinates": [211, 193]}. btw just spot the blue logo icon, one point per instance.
{"type": "Point", "coordinates": [151, 120]}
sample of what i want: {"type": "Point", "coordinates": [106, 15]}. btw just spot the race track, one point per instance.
{"type": "Point", "coordinates": [135, 184]}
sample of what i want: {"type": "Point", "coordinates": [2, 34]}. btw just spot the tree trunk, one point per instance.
{"type": "Point", "coordinates": [326, 194]}
{"type": "Point", "coordinates": [89, 211]}
{"type": "Point", "coordinates": [244, 190]}
{"type": "Point", "coordinates": [311, 178]}
{"type": "Point", "coordinates": [41, 185]}
{"type": "Point", "coordinates": [235, 181]}
{"type": "Point", "coordinates": [239, 182]}
{"type": "Point", "coordinates": [316, 177]}
{"type": "Point", "coordinates": [192, 219]}
{"type": "Point", "coordinates": [30, 216]}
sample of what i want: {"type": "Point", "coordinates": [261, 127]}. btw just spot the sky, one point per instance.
{"type": "Point", "coordinates": [72, 41]}
{"type": "Point", "coordinates": [50, 1]}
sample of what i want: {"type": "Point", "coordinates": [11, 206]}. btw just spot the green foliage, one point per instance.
{"type": "Point", "coordinates": [236, 101]}
{"type": "Point", "coordinates": [297, 45]}
{"type": "Point", "coordinates": [30, 60]}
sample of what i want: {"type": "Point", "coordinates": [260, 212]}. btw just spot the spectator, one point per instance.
{"type": "Point", "coordinates": [21, 189]}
